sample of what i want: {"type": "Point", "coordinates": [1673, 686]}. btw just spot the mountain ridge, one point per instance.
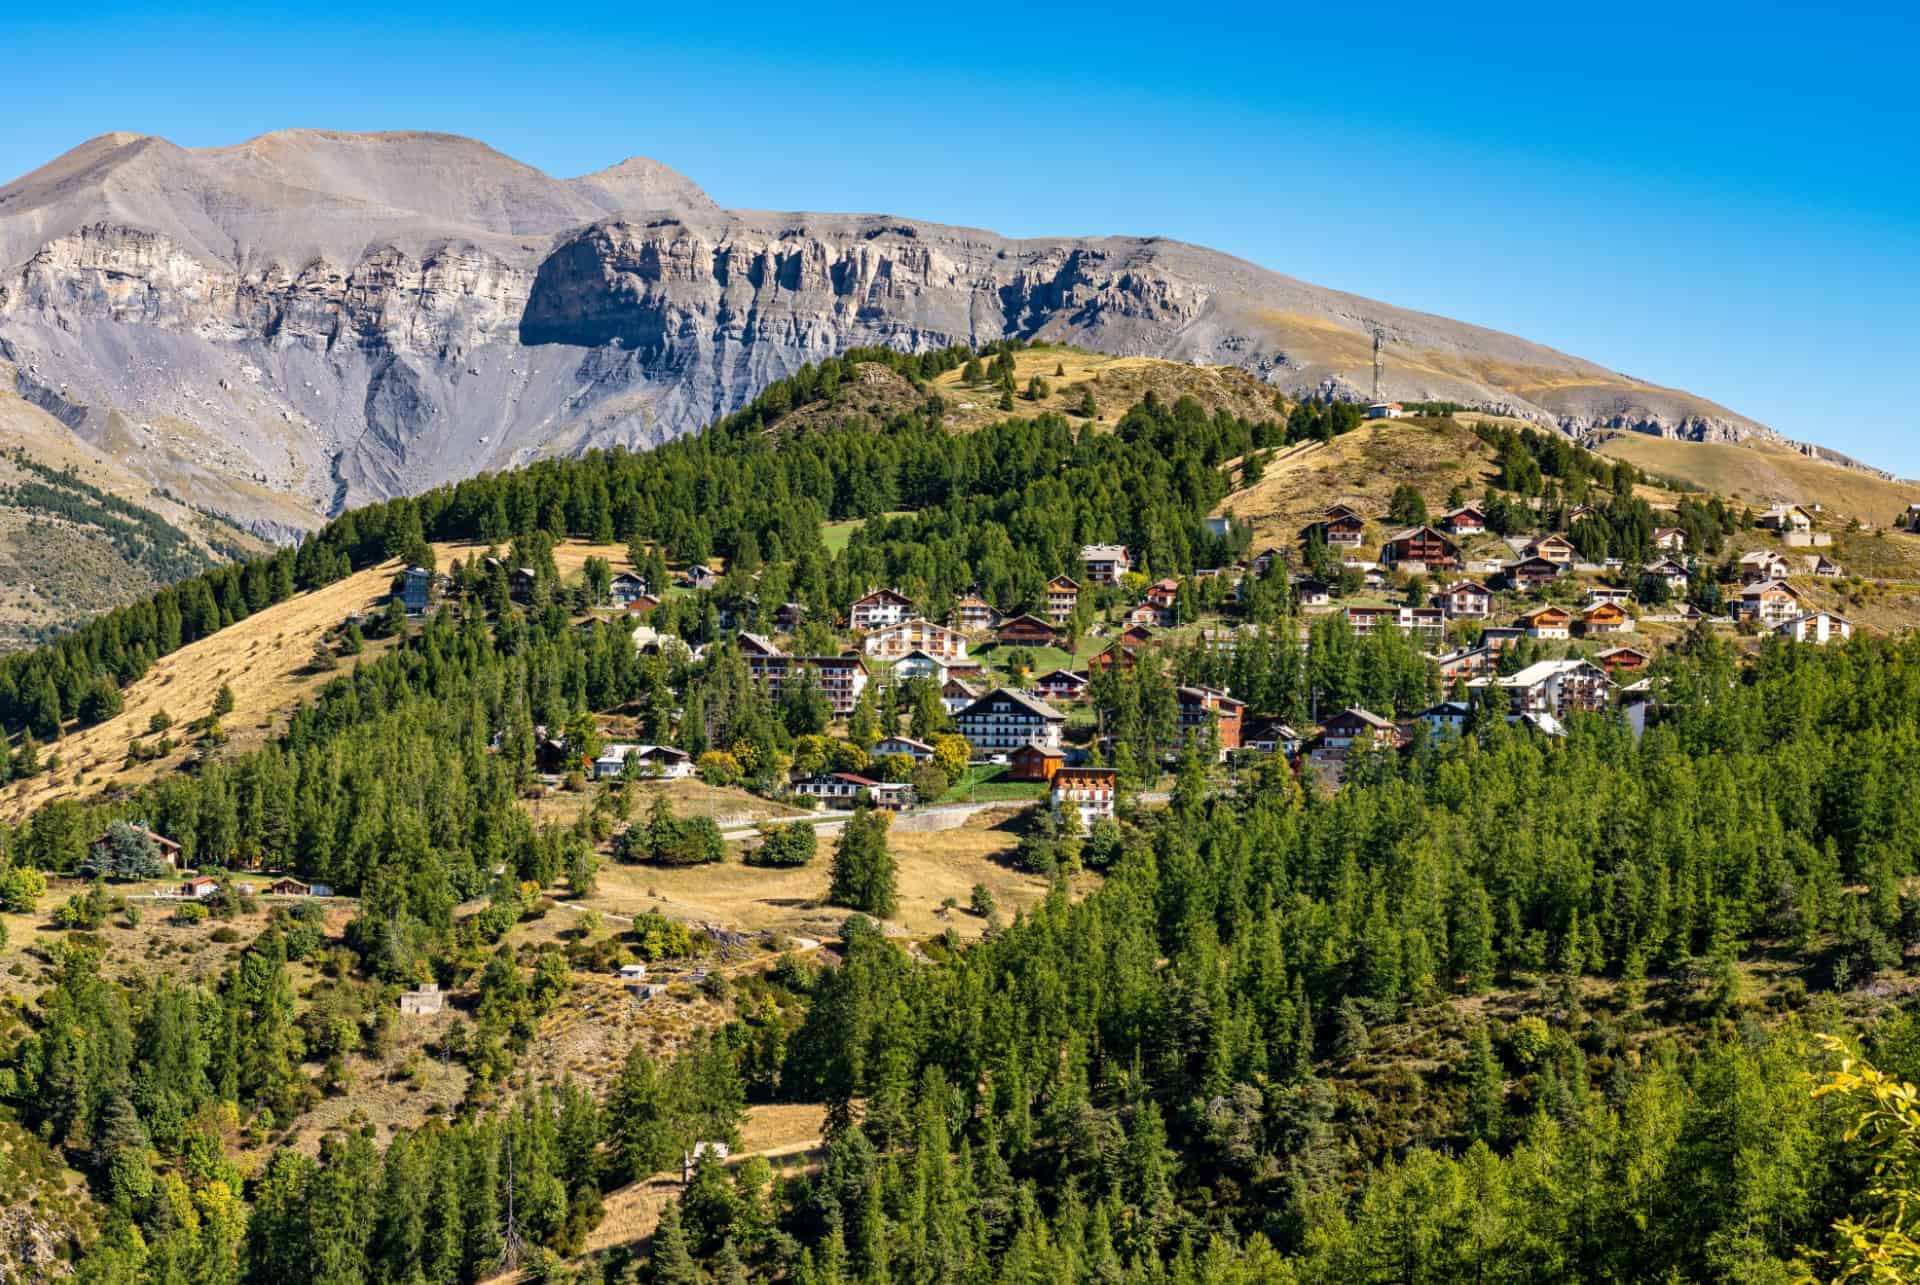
{"type": "Point", "coordinates": [337, 317]}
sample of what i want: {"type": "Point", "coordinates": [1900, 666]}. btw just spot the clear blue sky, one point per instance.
{"type": "Point", "coordinates": [1721, 198]}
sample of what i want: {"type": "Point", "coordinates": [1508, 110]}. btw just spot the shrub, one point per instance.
{"type": "Point", "coordinates": [785, 845]}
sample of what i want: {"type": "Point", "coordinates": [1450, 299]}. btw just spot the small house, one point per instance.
{"type": "Point", "coordinates": [1554, 548]}
{"type": "Point", "coordinates": [842, 788]}
{"type": "Point", "coordinates": [1819, 564]}
{"type": "Point", "coordinates": [890, 796]}
{"type": "Point", "coordinates": [1311, 592]}
{"type": "Point", "coordinates": [1605, 618]}
{"type": "Point", "coordinates": [689, 1160]}
{"type": "Point", "coordinates": [699, 576]}
{"type": "Point", "coordinates": [1026, 631]}
{"type": "Point", "coordinates": [1448, 718]}
{"type": "Point", "coordinates": [1674, 572]}
{"type": "Point", "coordinates": [1785, 518]}
{"type": "Point", "coordinates": [879, 609]}
{"type": "Point", "coordinates": [633, 972]}
{"type": "Point", "coordinates": [1531, 573]}
{"type": "Point", "coordinates": [1270, 736]}
{"type": "Point", "coordinates": [956, 694]}
{"type": "Point", "coordinates": [626, 588]}
{"type": "Point", "coordinates": [198, 888]}
{"type": "Point", "coordinates": [1208, 711]}
{"type": "Point", "coordinates": [973, 614]}
{"type": "Point", "coordinates": [1763, 564]}
{"type": "Point", "coordinates": [1105, 563]}
{"type": "Point", "coordinates": [422, 1001]}
{"type": "Point", "coordinates": [1035, 763]}
{"type": "Point", "coordinates": [1353, 724]}
{"type": "Point", "coordinates": [1061, 684]}
{"type": "Point", "coordinates": [1771, 602]}
{"type": "Point", "coordinates": [918, 751]}
{"type": "Point", "coordinates": [1670, 539]}
{"type": "Point", "coordinates": [1623, 660]}
{"type": "Point", "coordinates": [1548, 622]}
{"type": "Point", "coordinates": [918, 664]}
{"type": "Point", "coordinates": [1465, 520]}
{"type": "Point", "coordinates": [1467, 600]}
{"type": "Point", "coordinates": [1423, 545]}
{"type": "Point", "coordinates": [1385, 410]}
{"type": "Point", "coordinates": [288, 887]}
{"type": "Point", "coordinates": [416, 590]}
{"type": "Point", "coordinates": [1063, 593]}
{"type": "Point", "coordinates": [1816, 627]}
{"type": "Point", "coordinates": [1341, 528]}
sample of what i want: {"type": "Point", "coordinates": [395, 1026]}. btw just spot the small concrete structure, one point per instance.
{"type": "Point", "coordinates": [423, 1002]}
{"type": "Point", "coordinates": [688, 1159]}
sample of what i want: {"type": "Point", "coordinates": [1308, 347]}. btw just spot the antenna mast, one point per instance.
{"type": "Point", "coordinates": [1379, 342]}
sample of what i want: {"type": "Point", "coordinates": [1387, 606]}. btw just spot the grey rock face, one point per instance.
{"type": "Point", "coordinates": [310, 319]}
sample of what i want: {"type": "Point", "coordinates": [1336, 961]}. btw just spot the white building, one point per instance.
{"type": "Point", "coordinates": [1816, 627]}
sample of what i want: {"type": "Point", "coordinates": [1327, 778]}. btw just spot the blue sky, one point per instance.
{"type": "Point", "coordinates": [1720, 198]}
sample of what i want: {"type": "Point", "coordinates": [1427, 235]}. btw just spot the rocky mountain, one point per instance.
{"type": "Point", "coordinates": [311, 319]}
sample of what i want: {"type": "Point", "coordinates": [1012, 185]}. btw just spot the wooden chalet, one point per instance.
{"type": "Point", "coordinates": [1035, 763]}
{"type": "Point", "coordinates": [1623, 660]}
{"type": "Point", "coordinates": [1063, 594]}
{"type": "Point", "coordinates": [1062, 685]}
{"type": "Point", "coordinates": [1533, 572]}
{"type": "Point", "coordinates": [1605, 618]}
{"type": "Point", "coordinates": [1424, 545]}
{"type": "Point", "coordinates": [1026, 631]}
{"type": "Point", "coordinates": [1353, 724]}
{"type": "Point", "coordinates": [1548, 622]}
{"type": "Point", "coordinates": [1554, 548]}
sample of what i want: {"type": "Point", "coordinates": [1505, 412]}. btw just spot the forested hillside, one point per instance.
{"type": "Point", "coordinates": [1501, 1006]}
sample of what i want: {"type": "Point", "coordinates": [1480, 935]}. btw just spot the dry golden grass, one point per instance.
{"type": "Point", "coordinates": [1762, 474]}
{"type": "Point", "coordinates": [933, 866]}
{"type": "Point", "coordinates": [1360, 468]}
{"type": "Point", "coordinates": [690, 798]}
{"type": "Point", "coordinates": [1118, 383]}
{"type": "Point", "coordinates": [786, 1135]}
{"type": "Point", "coordinates": [265, 658]}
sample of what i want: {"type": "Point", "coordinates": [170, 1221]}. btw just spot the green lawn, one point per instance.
{"type": "Point", "coordinates": [988, 783]}
{"type": "Point", "coordinates": [836, 534]}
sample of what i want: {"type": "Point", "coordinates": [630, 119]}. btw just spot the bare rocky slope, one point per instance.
{"type": "Point", "coordinates": [310, 319]}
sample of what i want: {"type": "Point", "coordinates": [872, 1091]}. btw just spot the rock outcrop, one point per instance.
{"type": "Point", "coordinates": [311, 319]}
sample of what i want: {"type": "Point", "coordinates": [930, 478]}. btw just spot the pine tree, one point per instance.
{"type": "Point", "coordinates": [864, 871]}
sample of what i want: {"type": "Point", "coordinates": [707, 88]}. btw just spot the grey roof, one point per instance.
{"type": "Point", "coordinates": [1033, 704]}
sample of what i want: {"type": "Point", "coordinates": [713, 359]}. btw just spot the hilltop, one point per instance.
{"type": "Point", "coordinates": [288, 326]}
{"type": "Point", "coordinates": [516, 887]}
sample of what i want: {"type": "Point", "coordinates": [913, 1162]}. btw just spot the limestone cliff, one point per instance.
{"type": "Point", "coordinates": [313, 319]}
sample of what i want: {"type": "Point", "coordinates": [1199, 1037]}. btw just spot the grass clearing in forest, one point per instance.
{"type": "Point", "coordinates": [933, 865]}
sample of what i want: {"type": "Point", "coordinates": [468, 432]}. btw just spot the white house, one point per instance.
{"type": "Point", "coordinates": [1816, 627]}
{"type": "Point", "coordinates": [879, 609]}
{"type": "Point", "coordinates": [918, 751]}
{"type": "Point", "coordinates": [1385, 410]}
{"type": "Point", "coordinates": [657, 761]}
{"type": "Point", "coordinates": [1448, 718]}
{"type": "Point", "coordinates": [893, 641]}
{"type": "Point", "coordinates": [918, 664]}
